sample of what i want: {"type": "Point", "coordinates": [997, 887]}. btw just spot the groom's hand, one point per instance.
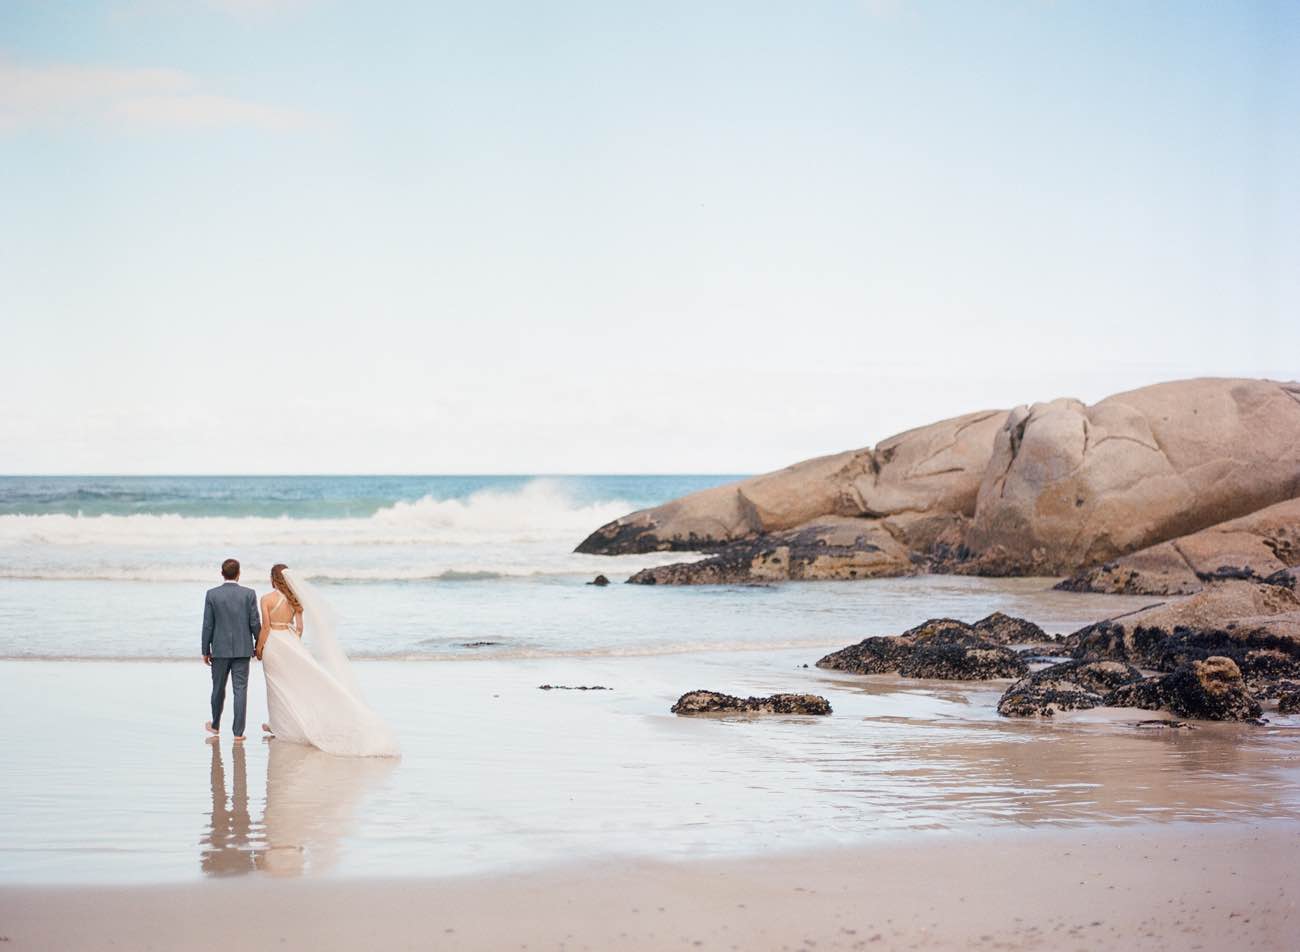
{"type": "Point", "coordinates": [207, 659]}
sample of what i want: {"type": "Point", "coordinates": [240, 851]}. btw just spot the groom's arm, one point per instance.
{"type": "Point", "coordinates": [209, 621]}
{"type": "Point", "coordinates": [254, 619]}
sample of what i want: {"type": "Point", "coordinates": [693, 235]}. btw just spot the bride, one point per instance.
{"type": "Point", "coordinates": [312, 696]}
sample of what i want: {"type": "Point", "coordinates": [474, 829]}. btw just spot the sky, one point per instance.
{"type": "Point", "coordinates": [313, 236]}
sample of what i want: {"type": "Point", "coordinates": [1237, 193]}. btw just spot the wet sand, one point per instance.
{"type": "Point", "coordinates": [1181, 886]}
{"type": "Point", "coordinates": [105, 782]}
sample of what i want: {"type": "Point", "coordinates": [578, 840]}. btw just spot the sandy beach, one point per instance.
{"type": "Point", "coordinates": [1219, 886]}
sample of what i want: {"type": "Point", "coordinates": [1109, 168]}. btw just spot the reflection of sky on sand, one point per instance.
{"type": "Point", "coordinates": [497, 774]}
{"type": "Point", "coordinates": [312, 800]}
{"type": "Point", "coordinates": [311, 803]}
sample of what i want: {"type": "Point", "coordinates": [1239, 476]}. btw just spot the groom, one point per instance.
{"type": "Point", "coordinates": [230, 628]}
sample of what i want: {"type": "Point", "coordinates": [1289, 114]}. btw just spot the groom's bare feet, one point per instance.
{"type": "Point", "coordinates": [207, 726]}
{"type": "Point", "coordinates": [239, 739]}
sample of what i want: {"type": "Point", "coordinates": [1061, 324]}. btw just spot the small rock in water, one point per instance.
{"type": "Point", "coordinates": [713, 702]}
{"type": "Point", "coordinates": [1067, 686]}
{"type": "Point", "coordinates": [572, 687]}
{"type": "Point", "coordinates": [478, 644]}
{"type": "Point", "coordinates": [1211, 690]}
{"type": "Point", "coordinates": [599, 580]}
{"type": "Point", "coordinates": [942, 648]}
{"type": "Point", "coordinates": [1006, 630]}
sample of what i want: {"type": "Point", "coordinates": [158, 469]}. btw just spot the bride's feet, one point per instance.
{"type": "Point", "coordinates": [207, 726]}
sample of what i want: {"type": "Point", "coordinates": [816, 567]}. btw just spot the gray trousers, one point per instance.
{"type": "Point", "coordinates": [237, 670]}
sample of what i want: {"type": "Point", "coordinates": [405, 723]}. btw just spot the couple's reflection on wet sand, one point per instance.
{"type": "Point", "coordinates": [311, 804]}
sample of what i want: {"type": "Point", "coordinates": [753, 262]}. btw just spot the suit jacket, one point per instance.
{"type": "Point", "coordinates": [231, 622]}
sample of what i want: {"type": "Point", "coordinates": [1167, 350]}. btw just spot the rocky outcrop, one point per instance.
{"type": "Point", "coordinates": [941, 648]}
{"type": "Point", "coordinates": [1072, 486]}
{"type": "Point", "coordinates": [1211, 690]}
{"type": "Point", "coordinates": [1258, 547]}
{"type": "Point", "coordinates": [1008, 630]}
{"type": "Point", "coordinates": [1068, 686]}
{"type": "Point", "coordinates": [1288, 700]}
{"type": "Point", "coordinates": [1256, 625]}
{"type": "Point", "coordinates": [919, 481]}
{"type": "Point", "coordinates": [712, 702]}
{"type": "Point", "coordinates": [1053, 488]}
{"type": "Point", "coordinates": [961, 659]}
{"type": "Point", "coordinates": [834, 547]}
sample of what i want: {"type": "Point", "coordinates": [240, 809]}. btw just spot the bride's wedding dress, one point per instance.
{"type": "Point", "coordinates": [312, 696]}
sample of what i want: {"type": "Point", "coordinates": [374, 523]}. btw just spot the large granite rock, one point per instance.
{"type": "Point", "coordinates": [923, 478]}
{"type": "Point", "coordinates": [1071, 486]}
{"type": "Point", "coordinates": [1212, 690]}
{"type": "Point", "coordinates": [941, 648]}
{"type": "Point", "coordinates": [1055, 488]}
{"type": "Point", "coordinates": [1258, 546]}
{"type": "Point", "coordinates": [1068, 686]}
{"type": "Point", "coordinates": [713, 702]}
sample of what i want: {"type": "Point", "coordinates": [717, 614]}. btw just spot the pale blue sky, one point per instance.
{"type": "Point", "coordinates": [260, 236]}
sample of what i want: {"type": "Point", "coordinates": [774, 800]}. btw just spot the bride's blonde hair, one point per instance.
{"type": "Point", "coordinates": [281, 586]}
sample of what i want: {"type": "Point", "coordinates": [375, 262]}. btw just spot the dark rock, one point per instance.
{"type": "Point", "coordinates": [876, 655]}
{"type": "Point", "coordinates": [1211, 690]}
{"type": "Point", "coordinates": [1068, 686]}
{"type": "Point", "coordinates": [599, 580]}
{"type": "Point", "coordinates": [1007, 630]}
{"type": "Point", "coordinates": [712, 702]}
{"type": "Point", "coordinates": [962, 658]}
{"type": "Point", "coordinates": [1159, 723]}
{"type": "Point", "coordinates": [478, 644]}
{"type": "Point", "coordinates": [578, 687]}
{"type": "Point", "coordinates": [1270, 690]}
{"type": "Point", "coordinates": [1260, 654]}
{"type": "Point", "coordinates": [941, 648]}
{"type": "Point", "coordinates": [1288, 701]}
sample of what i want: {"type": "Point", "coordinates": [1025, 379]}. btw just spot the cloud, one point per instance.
{"type": "Point", "coordinates": [125, 97]}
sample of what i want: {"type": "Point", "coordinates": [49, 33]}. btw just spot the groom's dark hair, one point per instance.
{"type": "Point", "coordinates": [230, 569]}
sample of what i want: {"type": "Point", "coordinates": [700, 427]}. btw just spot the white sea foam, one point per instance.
{"type": "Point", "coordinates": [539, 511]}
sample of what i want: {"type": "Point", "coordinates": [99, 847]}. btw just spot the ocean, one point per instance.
{"type": "Point", "coordinates": [419, 567]}
{"type": "Point", "coordinates": [460, 596]}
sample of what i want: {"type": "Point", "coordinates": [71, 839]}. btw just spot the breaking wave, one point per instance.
{"type": "Point", "coordinates": [539, 511]}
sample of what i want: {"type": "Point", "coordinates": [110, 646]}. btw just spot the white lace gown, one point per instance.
{"type": "Point", "coordinates": [309, 705]}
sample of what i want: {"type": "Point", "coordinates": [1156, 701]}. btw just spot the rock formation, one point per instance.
{"type": "Point", "coordinates": [1068, 686]}
{"type": "Point", "coordinates": [941, 648]}
{"type": "Point", "coordinates": [1072, 486]}
{"type": "Point", "coordinates": [1211, 690]}
{"type": "Point", "coordinates": [1053, 488]}
{"type": "Point", "coordinates": [1256, 625]}
{"type": "Point", "coordinates": [712, 702]}
{"type": "Point", "coordinates": [915, 486]}
{"type": "Point", "coordinates": [1259, 546]}
{"type": "Point", "coordinates": [832, 547]}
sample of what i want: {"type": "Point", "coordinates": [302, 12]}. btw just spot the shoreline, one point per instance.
{"type": "Point", "coordinates": [1216, 885]}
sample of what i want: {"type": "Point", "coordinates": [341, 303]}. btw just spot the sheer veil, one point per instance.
{"type": "Point", "coordinates": [320, 633]}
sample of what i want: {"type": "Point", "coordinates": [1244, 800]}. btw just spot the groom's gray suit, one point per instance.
{"type": "Point", "coordinates": [231, 625]}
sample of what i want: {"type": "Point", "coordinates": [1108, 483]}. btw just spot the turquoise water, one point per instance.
{"type": "Point", "coordinates": [306, 497]}
{"type": "Point", "coordinates": [422, 568]}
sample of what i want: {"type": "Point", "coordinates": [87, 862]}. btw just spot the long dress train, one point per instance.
{"type": "Point", "coordinates": [308, 704]}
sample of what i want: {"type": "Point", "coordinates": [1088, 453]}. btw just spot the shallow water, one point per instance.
{"type": "Point", "coordinates": [109, 778]}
